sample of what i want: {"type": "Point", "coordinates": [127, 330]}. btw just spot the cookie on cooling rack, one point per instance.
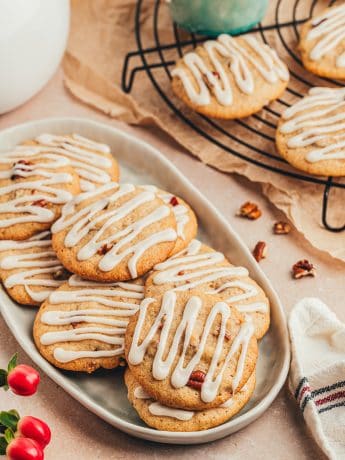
{"type": "Point", "coordinates": [167, 418]}
{"type": "Point", "coordinates": [322, 43]}
{"type": "Point", "coordinates": [178, 343]}
{"type": "Point", "coordinates": [33, 188]}
{"type": "Point", "coordinates": [230, 77]}
{"type": "Point", "coordinates": [30, 270]}
{"type": "Point", "coordinates": [311, 133]}
{"type": "Point", "coordinates": [81, 326]}
{"type": "Point", "coordinates": [114, 233]}
{"type": "Point", "coordinates": [92, 161]}
{"type": "Point", "coordinates": [186, 222]}
{"type": "Point", "coordinates": [200, 267]}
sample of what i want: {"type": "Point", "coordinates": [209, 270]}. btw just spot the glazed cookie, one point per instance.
{"type": "Point", "coordinates": [33, 188]}
{"type": "Point", "coordinates": [81, 326]}
{"type": "Point", "coordinates": [311, 133]}
{"type": "Point", "coordinates": [190, 350]}
{"type": "Point", "coordinates": [322, 43]}
{"type": "Point", "coordinates": [167, 418]}
{"type": "Point", "coordinates": [200, 267]}
{"type": "Point", "coordinates": [30, 270]}
{"type": "Point", "coordinates": [230, 77]}
{"type": "Point", "coordinates": [187, 225]}
{"type": "Point", "coordinates": [92, 161]}
{"type": "Point", "coordinates": [117, 232]}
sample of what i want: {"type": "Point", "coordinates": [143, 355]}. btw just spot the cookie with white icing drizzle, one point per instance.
{"type": "Point", "coordinates": [117, 232]}
{"type": "Point", "coordinates": [186, 222]}
{"type": "Point", "coordinates": [33, 188]}
{"type": "Point", "coordinates": [311, 133]}
{"type": "Point", "coordinates": [30, 270]}
{"type": "Point", "coordinates": [322, 43]}
{"type": "Point", "coordinates": [231, 77]}
{"type": "Point", "coordinates": [190, 350]}
{"type": "Point", "coordinates": [167, 418]}
{"type": "Point", "coordinates": [202, 268]}
{"type": "Point", "coordinates": [92, 161]}
{"type": "Point", "coordinates": [81, 326]}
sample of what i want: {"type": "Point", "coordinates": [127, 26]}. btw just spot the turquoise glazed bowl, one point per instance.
{"type": "Point", "coordinates": [213, 17]}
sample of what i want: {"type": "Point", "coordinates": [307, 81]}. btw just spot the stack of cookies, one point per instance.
{"type": "Point", "coordinates": [120, 278]}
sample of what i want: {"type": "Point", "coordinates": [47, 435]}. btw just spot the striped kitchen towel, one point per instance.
{"type": "Point", "coordinates": [317, 374]}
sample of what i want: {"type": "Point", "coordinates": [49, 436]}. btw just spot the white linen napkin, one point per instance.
{"type": "Point", "coordinates": [317, 374]}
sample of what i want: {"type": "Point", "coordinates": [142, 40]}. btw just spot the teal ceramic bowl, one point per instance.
{"type": "Point", "coordinates": [213, 17]}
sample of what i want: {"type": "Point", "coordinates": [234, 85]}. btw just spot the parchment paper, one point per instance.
{"type": "Point", "coordinates": [102, 33]}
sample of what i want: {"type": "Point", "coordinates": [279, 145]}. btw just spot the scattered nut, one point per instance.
{"type": "Point", "coordinates": [250, 211]}
{"type": "Point", "coordinates": [303, 268]}
{"type": "Point", "coordinates": [174, 201]}
{"type": "Point", "coordinates": [260, 251]}
{"type": "Point", "coordinates": [181, 273]}
{"type": "Point", "coordinates": [216, 74]}
{"type": "Point", "coordinates": [196, 380]}
{"type": "Point", "coordinates": [23, 162]}
{"type": "Point", "coordinates": [281, 228]}
{"type": "Point", "coordinates": [41, 203]}
{"type": "Point", "coordinates": [104, 249]}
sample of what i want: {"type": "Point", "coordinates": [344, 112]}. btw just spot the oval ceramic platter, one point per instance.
{"type": "Point", "coordinates": [104, 393]}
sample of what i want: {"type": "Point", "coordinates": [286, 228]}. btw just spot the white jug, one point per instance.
{"type": "Point", "coordinates": [33, 37]}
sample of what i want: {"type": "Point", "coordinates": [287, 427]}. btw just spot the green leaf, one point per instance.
{"type": "Point", "coordinates": [12, 363]}
{"type": "Point", "coordinates": [3, 378]}
{"type": "Point", "coordinates": [14, 412]}
{"type": "Point", "coordinates": [9, 420]}
{"type": "Point", "coordinates": [9, 435]}
{"type": "Point", "coordinates": [3, 445]}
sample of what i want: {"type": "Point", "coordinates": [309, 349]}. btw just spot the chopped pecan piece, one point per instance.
{"type": "Point", "coordinates": [104, 249]}
{"type": "Point", "coordinates": [216, 74]}
{"type": "Point", "coordinates": [303, 268]}
{"type": "Point", "coordinates": [250, 211]}
{"type": "Point", "coordinates": [196, 380]}
{"type": "Point", "coordinates": [181, 273]}
{"type": "Point", "coordinates": [260, 251]}
{"type": "Point", "coordinates": [281, 228]}
{"type": "Point", "coordinates": [174, 201]}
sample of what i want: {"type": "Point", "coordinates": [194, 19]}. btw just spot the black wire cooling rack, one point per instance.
{"type": "Point", "coordinates": [285, 18]}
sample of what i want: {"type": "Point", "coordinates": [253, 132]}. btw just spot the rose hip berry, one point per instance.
{"type": "Point", "coordinates": [34, 428]}
{"type": "Point", "coordinates": [23, 380]}
{"type": "Point", "coordinates": [24, 449]}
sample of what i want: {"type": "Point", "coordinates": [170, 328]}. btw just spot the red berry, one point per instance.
{"type": "Point", "coordinates": [24, 449]}
{"type": "Point", "coordinates": [23, 380]}
{"type": "Point", "coordinates": [34, 428]}
{"type": "Point", "coordinates": [174, 201]}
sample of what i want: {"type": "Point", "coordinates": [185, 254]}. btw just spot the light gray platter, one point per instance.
{"type": "Point", "coordinates": [104, 393]}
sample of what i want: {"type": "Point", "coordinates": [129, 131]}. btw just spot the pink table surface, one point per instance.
{"type": "Point", "coordinates": [281, 432]}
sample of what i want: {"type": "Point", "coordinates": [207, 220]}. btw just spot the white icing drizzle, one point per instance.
{"type": "Point", "coordinates": [108, 295]}
{"type": "Point", "coordinates": [95, 215]}
{"type": "Point", "coordinates": [313, 121]}
{"type": "Point", "coordinates": [164, 359]}
{"type": "Point", "coordinates": [204, 270]}
{"type": "Point", "coordinates": [85, 155]}
{"type": "Point", "coordinates": [239, 60]}
{"type": "Point", "coordinates": [26, 193]}
{"type": "Point", "coordinates": [180, 211]}
{"type": "Point", "coordinates": [41, 261]}
{"type": "Point", "coordinates": [328, 30]}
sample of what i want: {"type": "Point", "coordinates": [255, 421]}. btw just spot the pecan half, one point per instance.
{"type": "Point", "coordinates": [104, 249]}
{"type": "Point", "coordinates": [250, 211]}
{"type": "Point", "coordinates": [281, 228]}
{"type": "Point", "coordinates": [260, 251]}
{"type": "Point", "coordinates": [174, 201]}
{"type": "Point", "coordinates": [196, 380]}
{"type": "Point", "coordinates": [303, 268]}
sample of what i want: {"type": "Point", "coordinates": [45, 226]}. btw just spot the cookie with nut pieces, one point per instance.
{"type": "Point", "coordinates": [81, 326]}
{"type": "Point", "coordinates": [115, 233]}
{"type": "Point", "coordinates": [231, 77]}
{"type": "Point", "coordinates": [165, 418]}
{"type": "Point", "coordinates": [177, 344]}
{"type": "Point", "coordinates": [208, 271]}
